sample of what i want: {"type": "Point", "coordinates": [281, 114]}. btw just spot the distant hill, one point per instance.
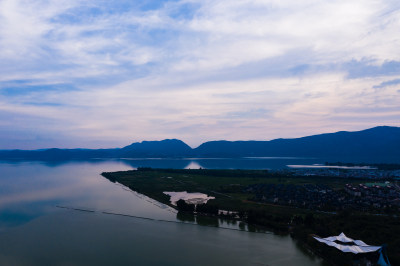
{"type": "Point", "coordinates": [59, 154]}
{"type": "Point", "coordinates": [163, 148]}
{"type": "Point", "coordinates": [376, 142]}
{"type": "Point", "coordinates": [380, 144]}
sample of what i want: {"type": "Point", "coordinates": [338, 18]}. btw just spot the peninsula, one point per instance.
{"type": "Point", "coordinates": [284, 202]}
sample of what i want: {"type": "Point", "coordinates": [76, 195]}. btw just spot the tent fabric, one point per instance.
{"type": "Point", "coordinates": [342, 238]}
{"type": "Point", "coordinates": [351, 245]}
{"type": "Point", "coordinates": [383, 260]}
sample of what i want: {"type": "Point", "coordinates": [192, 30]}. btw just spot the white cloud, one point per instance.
{"type": "Point", "coordinates": [222, 70]}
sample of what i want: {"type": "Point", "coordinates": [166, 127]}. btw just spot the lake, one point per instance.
{"type": "Point", "coordinates": [42, 222]}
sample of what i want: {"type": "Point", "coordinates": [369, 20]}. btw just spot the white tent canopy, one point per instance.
{"type": "Point", "coordinates": [347, 244]}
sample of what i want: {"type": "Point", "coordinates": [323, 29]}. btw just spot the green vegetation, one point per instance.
{"type": "Point", "coordinates": [227, 186]}
{"type": "Point", "coordinates": [184, 207]}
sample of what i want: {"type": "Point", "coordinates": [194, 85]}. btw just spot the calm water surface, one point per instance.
{"type": "Point", "coordinates": [34, 231]}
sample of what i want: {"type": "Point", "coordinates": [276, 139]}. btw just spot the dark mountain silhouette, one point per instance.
{"type": "Point", "coordinates": [163, 148]}
{"type": "Point", "coordinates": [59, 154]}
{"type": "Point", "coordinates": [380, 144]}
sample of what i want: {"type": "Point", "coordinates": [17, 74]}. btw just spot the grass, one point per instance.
{"type": "Point", "coordinates": [225, 185]}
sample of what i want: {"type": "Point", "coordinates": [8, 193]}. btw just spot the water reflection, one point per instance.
{"type": "Point", "coordinates": [35, 232]}
{"type": "Point", "coordinates": [209, 163]}
{"type": "Point", "coordinates": [185, 163]}
{"type": "Point", "coordinates": [207, 221]}
{"type": "Point", "coordinates": [32, 189]}
{"type": "Point", "coordinates": [185, 217]}
{"type": "Point", "coordinates": [221, 163]}
{"type": "Point", "coordinates": [17, 216]}
{"type": "Point", "coordinates": [193, 165]}
{"type": "Point", "coordinates": [212, 221]}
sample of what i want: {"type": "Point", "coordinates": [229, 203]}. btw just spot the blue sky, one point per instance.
{"type": "Point", "coordinates": [97, 74]}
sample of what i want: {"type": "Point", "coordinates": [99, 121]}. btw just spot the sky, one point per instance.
{"type": "Point", "coordinates": [101, 74]}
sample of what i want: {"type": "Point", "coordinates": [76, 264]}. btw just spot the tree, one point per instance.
{"type": "Point", "coordinates": [309, 220]}
{"type": "Point", "coordinates": [184, 207]}
{"type": "Point", "coordinates": [207, 208]}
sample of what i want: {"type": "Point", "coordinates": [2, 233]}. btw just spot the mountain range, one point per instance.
{"type": "Point", "coordinates": [379, 144]}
